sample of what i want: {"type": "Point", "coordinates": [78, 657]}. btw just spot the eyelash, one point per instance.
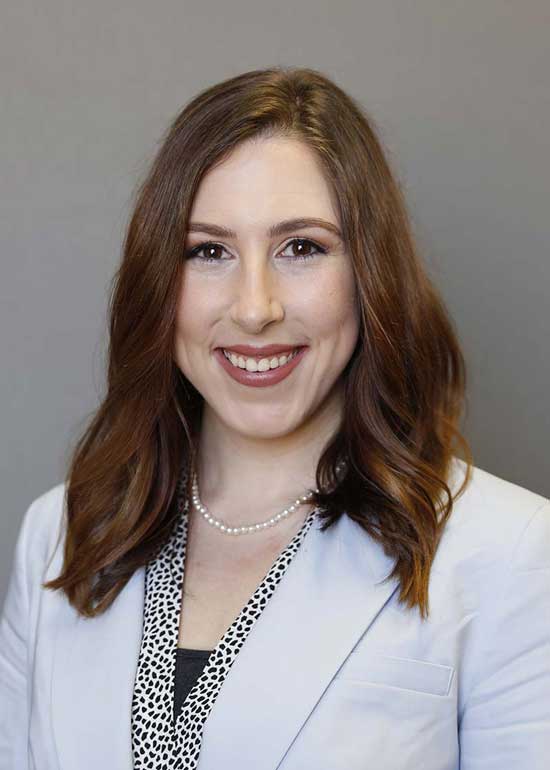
{"type": "Point", "coordinates": [192, 253]}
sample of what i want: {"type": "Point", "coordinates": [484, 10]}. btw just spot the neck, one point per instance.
{"type": "Point", "coordinates": [243, 479]}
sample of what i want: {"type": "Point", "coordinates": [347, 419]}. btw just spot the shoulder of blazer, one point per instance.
{"type": "Point", "coordinates": [492, 525]}
{"type": "Point", "coordinates": [41, 531]}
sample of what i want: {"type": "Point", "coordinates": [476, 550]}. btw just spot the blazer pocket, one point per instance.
{"type": "Point", "coordinates": [392, 671]}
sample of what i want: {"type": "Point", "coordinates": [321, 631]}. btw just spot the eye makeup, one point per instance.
{"type": "Point", "coordinates": [195, 251]}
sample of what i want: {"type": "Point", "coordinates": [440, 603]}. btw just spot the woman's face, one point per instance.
{"type": "Point", "coordinates": [293, 287]}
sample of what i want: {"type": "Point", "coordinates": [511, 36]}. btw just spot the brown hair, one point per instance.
{"type": "Point", "coordinates": [405, 382]}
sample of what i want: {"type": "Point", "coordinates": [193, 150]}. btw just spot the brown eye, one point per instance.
{"type": "Point", "coordinates": [304, 248]}
{"type": "Point", "coordinates": [211, 252]}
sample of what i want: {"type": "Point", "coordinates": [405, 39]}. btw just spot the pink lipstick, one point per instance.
{"type": "Point", "coordinates": [260, 379]}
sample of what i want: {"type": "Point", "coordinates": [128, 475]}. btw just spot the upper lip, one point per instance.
{"type": "Point", "coordinates": [266, 350]}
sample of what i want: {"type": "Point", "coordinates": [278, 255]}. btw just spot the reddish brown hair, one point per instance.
{"type": "Point", "coordinates": [405, 381]}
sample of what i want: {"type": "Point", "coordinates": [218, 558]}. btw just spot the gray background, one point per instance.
{"type": "Point", "coordinates": [460, 94]}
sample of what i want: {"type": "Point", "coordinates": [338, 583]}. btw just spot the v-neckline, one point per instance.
{"type": "Point", "coordinates": [153, 697]}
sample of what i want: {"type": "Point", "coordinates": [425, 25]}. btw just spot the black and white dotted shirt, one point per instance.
{"type": "Point", "coordinates": [167, 735]}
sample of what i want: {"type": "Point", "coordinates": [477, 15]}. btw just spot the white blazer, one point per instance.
{"type": "Point", "coordinates": [469, 688]}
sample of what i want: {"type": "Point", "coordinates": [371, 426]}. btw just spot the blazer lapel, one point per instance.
{"type": "Point", "coordinates": [332, 591]}
{"type": "Point", "coordinates": [92, 682]}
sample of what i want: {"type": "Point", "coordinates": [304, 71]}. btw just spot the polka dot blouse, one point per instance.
{"type": "Point", "coordinates": [167, 735]}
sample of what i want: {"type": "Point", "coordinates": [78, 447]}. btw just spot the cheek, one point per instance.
{"type": "Point", "coordinates": [190, 312]}
{"type": "Point", "coordinates": [189, 321]}
{"type": "Point", "coordinates": [335, 306]}
{"type": "Point", "coordinates": [184, 320]}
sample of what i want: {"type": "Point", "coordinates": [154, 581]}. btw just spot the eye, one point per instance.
{"type": "Point", "coordinates": [209, 247]}
{"type": "Point", "coordinates": [300, 243]}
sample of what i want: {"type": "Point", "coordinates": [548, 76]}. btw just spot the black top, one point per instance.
{"type": "Point", "coordinates": [189, 666]}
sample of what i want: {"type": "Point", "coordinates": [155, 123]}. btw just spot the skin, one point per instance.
{"type": "Point", "coordinates": [266, 441]}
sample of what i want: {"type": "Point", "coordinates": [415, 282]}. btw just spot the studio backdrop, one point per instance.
{"type": "Point", "coordinates": [460, 95]}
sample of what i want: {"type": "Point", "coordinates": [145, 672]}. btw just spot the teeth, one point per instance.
{"type": "Point", "coordinates": [263, 365]}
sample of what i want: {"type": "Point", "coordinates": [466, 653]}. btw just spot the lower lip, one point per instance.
{"type": "Point", "coordinates": [260, 379]}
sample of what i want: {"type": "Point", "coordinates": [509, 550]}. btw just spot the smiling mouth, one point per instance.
{"type": "Point", "coordinates": [260, 373]}
{"type": "Point", "coordinates": [259, 364]}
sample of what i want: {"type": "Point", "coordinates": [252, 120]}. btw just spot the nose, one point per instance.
{"type": "Point", "coordinates": [257, 300]}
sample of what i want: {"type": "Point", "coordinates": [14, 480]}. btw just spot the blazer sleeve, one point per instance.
{"type": "Point", "coordinates": [14, 652]}
{"type": "Point", "coordinates": [505, 720]}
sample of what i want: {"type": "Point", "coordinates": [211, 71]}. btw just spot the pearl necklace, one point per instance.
{"type": "Point", "coordinates": [247, 528]}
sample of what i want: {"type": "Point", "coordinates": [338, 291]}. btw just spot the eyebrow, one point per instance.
{"type": "Point", "coordinates": [281, 228]}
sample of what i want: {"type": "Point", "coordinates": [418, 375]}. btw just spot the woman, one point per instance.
{"type": "Point", "coordinates": [268, 552]}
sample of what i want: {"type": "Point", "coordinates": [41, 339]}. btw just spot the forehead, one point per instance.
{"type": "Point", "coordinates": [263, 180]}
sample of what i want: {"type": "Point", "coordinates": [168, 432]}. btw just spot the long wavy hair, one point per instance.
{"type": "Point", "coordinates": [404, 384]}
